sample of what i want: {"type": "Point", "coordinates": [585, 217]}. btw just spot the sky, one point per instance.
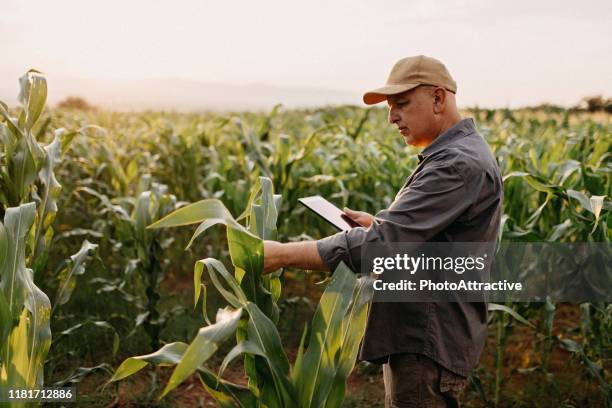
{"type": "Point", "coordinates": [501, 53]}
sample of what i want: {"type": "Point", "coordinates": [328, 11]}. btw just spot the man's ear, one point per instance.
{"type": "Point", "coordinates": [439, 99]}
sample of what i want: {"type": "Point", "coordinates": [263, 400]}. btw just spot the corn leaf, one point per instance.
{"type": "Point", "coordinates": [169, 354]}
{"type": "Point", "coordinates": [47, 208]}
{"type": "Point", "coordinates": [330, 331]}
{"type": "Point", "coordinates": [76, 267]}
{"type": "Point", "coordinates": [262, 331]}
{"type": "Point", "coordinates": [241, 348]}
{"type": "Point", "coordinates": [353, 328]}
{"type": "Point", "coordinates": [33, 95]}
{"type": "Point", "coordinates": [204, 346]}
{"type": "Point", "coordinates": [502, 308]}
{"type": "Point", "coordinates": [237, 299]}
{"type": "Point", "coordinates": [15, 277]}
{"type": "Point", "coordinates": [225, 393]}
{"type": "Point", "coordinates": [197, 212]}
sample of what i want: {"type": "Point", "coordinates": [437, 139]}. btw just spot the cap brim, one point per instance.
{"type": "Point", "coordinates": [380, 94]}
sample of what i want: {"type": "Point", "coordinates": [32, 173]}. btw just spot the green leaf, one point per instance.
{"type": "Point", "coordinates": [4, 245]}
{"type": "Point", "coordinates": [541, 185]}
{"type": "Point", "coordinates": [353, 328]}
{"type": "Point", "coordinates": [582, 198]}
{"type": "Point", "coordinates": [262, 331]}
{"type": "Point", "coordinates": [81, 373]}
{"type": "Point", "coordinates": [497, 307]}
{"type": "Point", "coordinates": [203, 227]}
{"type": "Point", "coordinates": [39, 333]}
{"type": "Point", "coordinates": [515, 174]}
{"type": "Point", "coordinates": [198, 212]}
{"type": "Point", "coordinates": [299, 359]}
{"type": "Point", "coordinates": [169, 354]}
{"type": "Point", "coordinates": [536, 182]}
{"type": "Point", "coordinates": [203, 346]}
{"type": "Point", "coordinates": [265, 214]}
{"type": "Point", "coordinates": [566, 169]}
{"type": "Point", "coordinates": [96, 323]}
{"type": "Point", "coordinates": [16, 278]}
{"type": "Point", "coordinates": [571, 345]}
{"type": "Point", "coordinates": [549, 317]}
{"type": "Point", "coordinates": [246, 252]}
{"type": "Point", "coordinates": [76, 267]}
{"type": "Point", "coordinates": [6, 321]}
{"type": "Point", "coordinates": [533, 219]}
{"type": "Point", "coordinates": [22, 171]}
{"type": "Point", "coordinates": [559, 230]}
{"type": "Point", "coordinates": [243, 347]}
{"type": "Point", "coordinates": [226, 393]}
{"type": "Point", "coordinates": [142, 215]}
{"type": "Point", "coordinates": [339, 321]}
{"type": "Point", "coordinates": [33, 95]}
{"type": "Point", "coordinates": [237, 299]}
{"type": "Point", "coordinates": [28, 343]}
{"type": "Point", "coordinates": [15, 354]}
{"type": "Point", "coordinates": [204, 298]}
{"type": "Point", "coordinates": [11, 124]}
{"type": "Point", "coordinates": [597, 203]}
{"type": "Point", "coordinates": [47, 208]}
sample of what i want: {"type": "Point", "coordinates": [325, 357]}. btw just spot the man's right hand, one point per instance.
{"type": "Point", "coordinates": [360, 217]}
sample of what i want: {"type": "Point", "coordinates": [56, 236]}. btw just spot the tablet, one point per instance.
{"type": "Point", "coordinates": [329, 212]}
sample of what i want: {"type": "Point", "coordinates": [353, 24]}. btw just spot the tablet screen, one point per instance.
{"type": "Point", "coordinates": [329, 212]}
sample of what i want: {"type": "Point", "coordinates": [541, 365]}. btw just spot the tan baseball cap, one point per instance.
{"type": "Point", "coordinates": [410, 72]}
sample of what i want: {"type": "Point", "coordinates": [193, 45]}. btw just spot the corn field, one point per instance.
{"type": "Point", "coordinates": [131, 252]}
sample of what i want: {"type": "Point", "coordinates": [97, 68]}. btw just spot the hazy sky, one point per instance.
{"type": "Point", "coordinates": [500, 52]}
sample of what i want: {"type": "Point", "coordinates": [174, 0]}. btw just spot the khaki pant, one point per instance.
{"type": "Point", "coordinates": [413, 380]}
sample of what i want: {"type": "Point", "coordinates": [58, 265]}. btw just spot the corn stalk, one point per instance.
{"type": "Point", "coordinates": [318, 377]}
{"type": "Point", "coordinates": [28, 205]}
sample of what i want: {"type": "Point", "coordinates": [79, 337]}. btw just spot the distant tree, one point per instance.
{"type": "Point", "coordinates": [75, 102]}
{"type": "Point", "coordinates": [596, 103]}
{"type": "Point", "coordinates": [546, 107]}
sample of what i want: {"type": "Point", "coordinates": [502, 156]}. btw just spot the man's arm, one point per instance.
{"type": "Point", "coordinates": [304, 254]}
{"type": "Point", "coordinates": [301, 255]}
{"type": "Point", "coordinates": [432, 201]}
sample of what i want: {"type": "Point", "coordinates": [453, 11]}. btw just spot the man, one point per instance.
{"type": "Point", "coordinates": [454, 195]}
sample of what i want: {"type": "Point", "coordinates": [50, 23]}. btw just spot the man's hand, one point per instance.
{"type": "Point", "coordinates": [360, 217]}
{"type": "Point", "coordinates": [302, 255]}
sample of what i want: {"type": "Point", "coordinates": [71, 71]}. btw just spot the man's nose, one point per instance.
{"type": "Point", "coordinates": [393, 116]}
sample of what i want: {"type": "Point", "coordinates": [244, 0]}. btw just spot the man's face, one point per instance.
{"type": "Point", "coordinates": [413, 114]}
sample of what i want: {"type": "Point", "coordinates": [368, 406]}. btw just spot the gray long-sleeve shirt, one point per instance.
{"type": "Point", "coordinates": [454, 195]}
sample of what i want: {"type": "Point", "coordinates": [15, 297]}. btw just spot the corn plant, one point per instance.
{"type": "Point", "coordinates": [555, 192]}
{"type": "Point", "coordinates": [318, 377]}
{"type": "Point", "coordinates": [150, 206]}
{"type": "Point", "coordinates": [28, 204]}
{"type": "Point", "coordinates": [143, 247]}
{"type": "Point", "coordinates": [25, 333]}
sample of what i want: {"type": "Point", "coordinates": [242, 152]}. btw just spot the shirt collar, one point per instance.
{"type": "Point", "coordinates": [463, 127]}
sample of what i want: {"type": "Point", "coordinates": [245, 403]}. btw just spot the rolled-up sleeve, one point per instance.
{"type": "Point", "coordinates": [435, 197]}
